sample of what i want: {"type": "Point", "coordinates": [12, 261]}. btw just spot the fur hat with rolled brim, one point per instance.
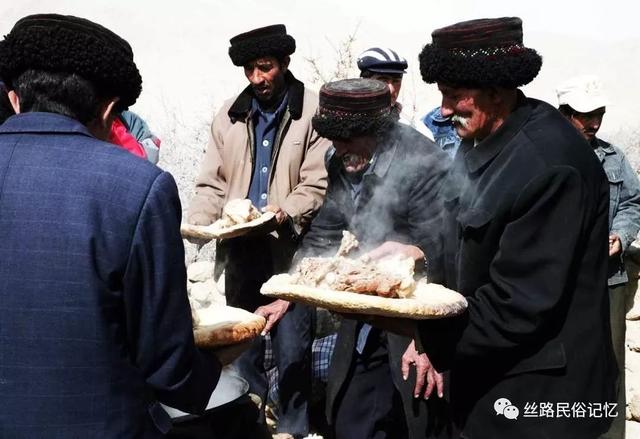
{"type": "Point", "coordinates": [488, 52]}
{"type": "Point", "coordinates": [353, 107]}
{"type": "Point", "coordinates": [66, 44]}
{"type": "Point", "coordinates": [257, 43]}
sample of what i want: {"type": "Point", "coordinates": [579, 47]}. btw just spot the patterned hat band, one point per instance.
{"type": "Point", "coordinates": [323, 111]}
{"type": "Point", "coordinates": [512, 49]}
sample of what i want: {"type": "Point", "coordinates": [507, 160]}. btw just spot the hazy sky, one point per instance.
{"type": "Point", "coordinates": [181, 46]}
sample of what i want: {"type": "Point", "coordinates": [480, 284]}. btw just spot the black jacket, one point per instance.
{"type": "Point", "coordinates": [526, 242]}
{"type": "Point", "coordinates": [398, 202]}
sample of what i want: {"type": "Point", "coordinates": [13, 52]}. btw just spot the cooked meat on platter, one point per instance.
{"type": "Point", "coordinates": [388, 277]}
{"type": "Point", "coordinates": [348, 243]}
{"type": "Point", "coordinates": [238, 211]}
{"type": "Point", "coordinates": [358, 276]}
{"type": "Point", "coordinates": [238, 218]}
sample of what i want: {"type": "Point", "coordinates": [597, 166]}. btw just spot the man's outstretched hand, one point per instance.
{"type": "Point", "coordinates": [273, 312]}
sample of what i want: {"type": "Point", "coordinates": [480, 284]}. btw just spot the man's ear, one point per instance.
{"type": "Point", "coordinates": [100, 126]}
{"type": "Point", "coordinates": [14, 99]}
{"type": "Point", "coordinates": [106, 112]}
{"type": "Point", "coordinates": [284, 66]}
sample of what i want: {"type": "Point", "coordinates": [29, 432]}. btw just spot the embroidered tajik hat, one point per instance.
{"type": "Point", "coordinates": [480, 53]}
{"type": "Point", "coordinates": [353, 107]}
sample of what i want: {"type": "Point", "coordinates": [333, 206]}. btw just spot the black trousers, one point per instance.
{"type": "Point", "coordinates": [374, 401]}
{"type": "Point", "coordinates": [249, 263]}
{"type": "Point", "coordinates": [368, 405]}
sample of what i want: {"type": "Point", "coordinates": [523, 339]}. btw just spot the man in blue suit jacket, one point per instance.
{"type": "Point", "coordinates": [95, 325]}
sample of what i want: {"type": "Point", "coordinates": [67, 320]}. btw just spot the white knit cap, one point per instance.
{"type": "Point", "coordinates": [583, 93]}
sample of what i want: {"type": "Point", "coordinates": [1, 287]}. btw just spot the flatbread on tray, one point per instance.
{"type": "Point", "coordinates": [221, 325]}
{"type": "Point", "coordinates": [265, 224]}
{"type": "Point", "coordinates": [429, 301]}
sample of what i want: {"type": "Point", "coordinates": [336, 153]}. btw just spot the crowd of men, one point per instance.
{"type": "Point", "coordinates": [503, 198]}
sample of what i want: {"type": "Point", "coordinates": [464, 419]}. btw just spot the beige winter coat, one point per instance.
{"type": "Point", "coordinates": [298, 178]}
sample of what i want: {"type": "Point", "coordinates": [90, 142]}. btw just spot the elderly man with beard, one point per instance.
{"type": "Point", "coordinates": [263, 147]}
{"type": "Point", "coordinates": [582, 101]}
{"type": "Point", "coordinates": [383, 181]}
{"type": "Point", "coordinates": [525, 237]}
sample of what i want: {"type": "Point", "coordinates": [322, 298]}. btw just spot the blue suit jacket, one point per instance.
{"type": "Point", "coordinates": [95, 325]}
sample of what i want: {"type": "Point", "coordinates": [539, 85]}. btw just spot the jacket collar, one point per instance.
{"type": "Point", "coordinates": [241, 107]}
{"type": "Point", "coordinates": [478, 156]}
{"type": "Point", "coordinates": [436, 116]}
{"type": "Point", "coordinates": [386, 154]}
{"type": "Point", "coordinates": [40, 122]}
{"type": "Point", "coordinates": [606, 147]}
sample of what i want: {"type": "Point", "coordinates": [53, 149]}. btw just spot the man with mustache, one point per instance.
{"type": "Point", "coordinates": [263, 147]}
{"type": "Point", "coordinates": [383, 181]}
{"type": "Point", "coordinates": [582, 101]}
{"type": "Point", "coordinates": [525, 231]}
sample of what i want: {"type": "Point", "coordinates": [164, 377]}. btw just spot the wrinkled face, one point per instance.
{"type": "Point", "coordinates": [470, 109]}
{"type": "Point", "coordinates": [355, 153]}
{"type": "Point", "coordinates": [394, 82]}
{"type": "Point", "coordinates": [266, 76]}
{"type": "Point", "coordinates": [588, 123]}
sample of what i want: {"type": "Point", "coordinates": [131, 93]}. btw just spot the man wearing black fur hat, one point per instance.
{"type": "Point", "coordinates": [264, 148]}
{"type": "Point", "coordinates": [96, 325]}
{"type": "Point", "coordinates": [525, 239]}
{"type": "Point", "coordinates": [383, 181]}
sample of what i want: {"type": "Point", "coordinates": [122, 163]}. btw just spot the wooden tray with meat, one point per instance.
{"type": "Point", "coordinates": [385, 287]}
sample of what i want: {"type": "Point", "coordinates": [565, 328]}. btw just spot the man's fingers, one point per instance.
{"type": "Point", "coordinates": [421, 372]}
{"type": "Point", "coordinates": [431, 383]}
{"type": "Point", "coordinates": [405, 366]}
{"type": "Point", "coordinates": [439, 384]}
{"type": "Point", "coordinates": [271, 320]}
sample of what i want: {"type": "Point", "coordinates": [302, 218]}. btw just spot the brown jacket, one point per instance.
{"type": "Point", "coordinates": [298, 177]}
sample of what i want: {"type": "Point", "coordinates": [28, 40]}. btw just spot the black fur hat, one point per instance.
{"type": "Point", "coordinates": [480, 53]}
{"type": "Point", "coordinates": [264, 41]}
{"type": "Point", "coordinates": [353, 107]}
{"type": "Point", "coordinates": [67, 44]}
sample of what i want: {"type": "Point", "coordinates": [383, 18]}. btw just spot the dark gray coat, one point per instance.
{"type": "Point", "coordinates": [398, 202]}
{"type": "Point", "coordinates": [526, 227]}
